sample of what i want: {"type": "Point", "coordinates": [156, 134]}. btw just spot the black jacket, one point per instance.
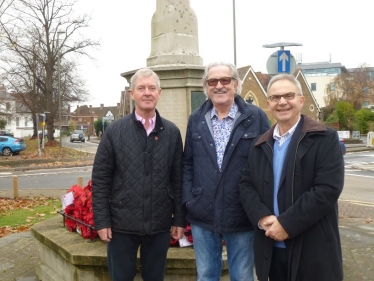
{"type": "Point", "coordinates": [311, 181]}
{"type": "Point", "coordinates": [136, 180]}
{"type": "Point", "coordinates": [213, 193]}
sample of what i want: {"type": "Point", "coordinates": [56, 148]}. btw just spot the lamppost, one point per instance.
{"type": "Point", "coordinates": [44, 115]}
{"type": "Point", "coordinates": [59, 82]}
{"type": "Point", "coordinates": [37, 132]}
{"type": "Point", "coordinates": [234, 26]}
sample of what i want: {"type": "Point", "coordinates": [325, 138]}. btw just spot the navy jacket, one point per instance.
{"type": "Point", "coordinates": [212, 194]}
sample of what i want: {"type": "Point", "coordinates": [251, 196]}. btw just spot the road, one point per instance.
{"type": "Point", "coordinates": [358, 181]}
{"type": "Point", "coordinates": [88, 147]}
{"type": "Point", "coordinates": [60, 178]}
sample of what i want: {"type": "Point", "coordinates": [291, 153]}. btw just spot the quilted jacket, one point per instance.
{"type": "Point", "coordinates": [136, 180]}
{"type": "Point", "coordinates": [212, 194]}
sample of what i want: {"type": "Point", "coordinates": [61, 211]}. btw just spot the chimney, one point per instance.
{"type": "Point", "coordinates": [91, 106]}
{"type": "Point", "coordinates": [101, 105]}
{"type": "Point", "coordinates": [118, 104]}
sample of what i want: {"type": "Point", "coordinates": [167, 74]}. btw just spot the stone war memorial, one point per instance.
{"type": "Point", "coordinates": [67, 256]}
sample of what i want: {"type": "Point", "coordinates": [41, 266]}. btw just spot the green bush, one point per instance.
{"type": "Point", "coordinates": [363, 119]}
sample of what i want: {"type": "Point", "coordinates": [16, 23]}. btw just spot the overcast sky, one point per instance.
{"type": "Point", "coordinates": [340, 30]}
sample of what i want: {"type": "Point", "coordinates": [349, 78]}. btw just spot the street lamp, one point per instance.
{"type": "Point", "coordinates": [234, 26]}
{"type": "Point", "coordinates": [37, 132]}
{"type": "Point", "coordinates": [43, 127]}
{"type": "Point", "coordinates": [59, 82]}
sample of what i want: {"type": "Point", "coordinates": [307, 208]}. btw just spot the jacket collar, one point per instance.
{"type": "Point", "coordinates": [309, 125]}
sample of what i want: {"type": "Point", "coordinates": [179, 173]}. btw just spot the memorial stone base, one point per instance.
{"type": "Point", "coordinates": [66, 256]}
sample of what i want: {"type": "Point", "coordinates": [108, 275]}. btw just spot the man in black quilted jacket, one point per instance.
{"type": "Point", "coordinates": [136, 185]}
{"type": "Point", "coordinates": [219, 135]}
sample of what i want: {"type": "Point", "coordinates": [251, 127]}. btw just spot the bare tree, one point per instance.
{"type": "Point", "coordinates": [355, 87]}
{"type": "Point", "coordinates": [31, 29]}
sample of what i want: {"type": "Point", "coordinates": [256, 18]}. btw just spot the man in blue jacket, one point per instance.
{"type": "Point", "coordinates": [218, 138]}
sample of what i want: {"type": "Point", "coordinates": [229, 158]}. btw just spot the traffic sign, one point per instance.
{"type": "Point", "coordinates": [272, 64]}
{"type": "Point", "coordinates": [284, 61]}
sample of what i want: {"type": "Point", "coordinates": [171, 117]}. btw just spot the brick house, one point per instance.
{"type": "Point", "coordinates": [254, 91]}
{"type": "Point", "coordinates": [84, 116]}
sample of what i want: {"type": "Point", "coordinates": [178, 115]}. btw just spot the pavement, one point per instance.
{"type": "Point", "coordinates": [19, 251]}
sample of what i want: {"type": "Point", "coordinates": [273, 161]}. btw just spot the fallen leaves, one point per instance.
{"type": "Point", "coordinates": [8, 206]}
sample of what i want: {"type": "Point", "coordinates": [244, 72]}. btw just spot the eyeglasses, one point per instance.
{"type": "Point", "coordinates": [286, 96]}
{"type": "Point", "coordinates": [223, 81]}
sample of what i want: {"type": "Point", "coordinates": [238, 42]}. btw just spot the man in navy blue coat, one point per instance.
{"type": "Point", "coordinates": [290, 189]}
{"type": "Point", "coordinates": [218, 138]}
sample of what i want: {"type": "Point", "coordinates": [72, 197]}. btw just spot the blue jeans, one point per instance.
{"type": "Point", "coordinates": [208, 253]}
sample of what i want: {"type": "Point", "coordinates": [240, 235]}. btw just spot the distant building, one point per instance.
{"type": "Point", "coordinates": [85, 116]}
{"type": "Point", "coordinates": [254, 91]}
{"type": "Point", "coordinates": [17, 116]}
{"type": "Point", "coordinates": [320, 76]}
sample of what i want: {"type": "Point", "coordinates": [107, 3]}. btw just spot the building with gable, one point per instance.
{"type": "Point", "coordinates": [84, 116]}
{"type": "Point", "coordinates": [254, 91]}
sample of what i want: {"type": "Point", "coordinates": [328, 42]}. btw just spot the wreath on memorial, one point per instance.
{"type": "Point", "coordinates": [81, 211]}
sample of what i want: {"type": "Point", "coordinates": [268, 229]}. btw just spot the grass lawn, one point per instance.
{"type": "Point", "coordinates": [18, 215]}
{"type": "Point", "coordinates": [51, 150]}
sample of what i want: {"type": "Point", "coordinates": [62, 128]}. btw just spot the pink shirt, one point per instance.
{"type": "Point", "coordinates": [152, 123]}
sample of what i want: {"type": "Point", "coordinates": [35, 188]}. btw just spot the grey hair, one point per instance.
{"type": "Point", "coordinates": [288, 77]}
{"type": "Point", "coordinates": [144, 72]}
{"type": "Point", "coordinates": [234, 74]}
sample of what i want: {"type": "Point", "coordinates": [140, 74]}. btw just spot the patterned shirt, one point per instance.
{"type": "Point", "coordinates": [222, 130]}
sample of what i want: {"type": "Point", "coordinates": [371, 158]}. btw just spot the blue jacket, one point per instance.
{"type": "Point", "coordinates": [212, 194]}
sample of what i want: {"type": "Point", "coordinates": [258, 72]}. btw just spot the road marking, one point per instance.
{"type": "Point", "coordinates": [370, 177]}
{"type": "Point", "coordinates": [6, 173]}
{"type": "Point", "coordinates": [361, 203]}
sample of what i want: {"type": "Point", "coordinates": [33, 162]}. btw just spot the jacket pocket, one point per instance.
{"type": "Point", "coordinates": [196, 192]}
{"type": "Point", "coordinates": [244, 144]}
{"type": "Point", "coordinates": [170, 192]}
{"type": "Point", "coordinates": [197, 145]}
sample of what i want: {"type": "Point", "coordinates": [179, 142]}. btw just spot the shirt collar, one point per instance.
{"type": "Point", "coordinates": [277, 136]}
{"type": "Point", "coordinates": [232, 112]}
{"type": "Point", "coordinates": [141, 119]}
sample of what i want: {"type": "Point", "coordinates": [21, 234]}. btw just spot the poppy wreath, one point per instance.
{"type": "Point", "coordinates": [81, 210]}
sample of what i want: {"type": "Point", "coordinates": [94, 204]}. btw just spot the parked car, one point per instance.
{"type": "Point", "coordinates": [342, 145]}
{"type": "Point", "coordinates": [6, 133]}
{"type": "Point", "coordinates": [77, 135]}
{"type": "Point", "coordinates": [10, 145]}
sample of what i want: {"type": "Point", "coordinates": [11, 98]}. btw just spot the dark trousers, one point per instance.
{"type": "Point", "coordinates": [279, 265]}
{"type": "Point", "coordinates": [122, 253]}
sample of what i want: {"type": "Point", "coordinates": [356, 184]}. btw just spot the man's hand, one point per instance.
{"type": "Point", "coordinates": [267, 221]}
{"type": "Point", "coordinates": [105, 234]}
{"type": "Point", "coordinates": [276, 231]}
{"type": "Point", "coordinates": [177, 232]}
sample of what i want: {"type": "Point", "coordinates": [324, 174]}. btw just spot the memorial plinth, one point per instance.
{"type": "Point", "coordinates": [66, 256]}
